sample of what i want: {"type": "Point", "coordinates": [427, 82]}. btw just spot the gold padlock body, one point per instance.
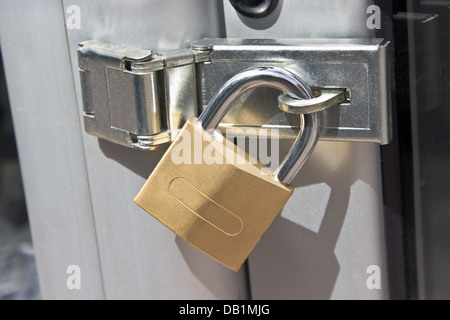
{"type": "Point", "coordinates": [221, 209]}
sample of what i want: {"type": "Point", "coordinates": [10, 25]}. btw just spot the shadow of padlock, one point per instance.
{"type": "Point", "coordinates": [223, 205]}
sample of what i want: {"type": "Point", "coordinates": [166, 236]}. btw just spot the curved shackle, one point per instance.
{"type": "Point", "coordinates": [282, 80]}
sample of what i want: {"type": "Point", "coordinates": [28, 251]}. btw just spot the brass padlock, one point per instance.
{"type": "Point", "coordinates": [224, 207]}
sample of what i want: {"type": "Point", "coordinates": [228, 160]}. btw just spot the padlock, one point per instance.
{"type": "Point", "coordinates": [223, 208]}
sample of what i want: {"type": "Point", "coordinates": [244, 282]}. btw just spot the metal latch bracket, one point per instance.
{"type": "Point", "coordinates": [140, 98]}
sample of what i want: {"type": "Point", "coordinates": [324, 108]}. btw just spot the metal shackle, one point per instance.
{"type": "Point", "coordinates": [282, 80]}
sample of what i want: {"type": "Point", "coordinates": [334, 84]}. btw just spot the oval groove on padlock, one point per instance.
{"type": "Point", "coordinates": [210, 211]}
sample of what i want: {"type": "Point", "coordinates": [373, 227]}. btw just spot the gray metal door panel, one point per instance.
{"type": "Point", "coordinates": [332, 229]}
{"type": "Point", "coordinates": [139, 257]}
{"type": "Point", "coordinates": [80, 189]}
{"type": "Point", "coordinates": [50, 148]}
{"type": "Point", "coordinates": [329, 232]}
{"type": "Point", "coordinates": [64, 168]}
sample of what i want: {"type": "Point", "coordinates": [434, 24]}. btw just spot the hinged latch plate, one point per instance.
{"type": "Point", "coordinates": [141, 99]}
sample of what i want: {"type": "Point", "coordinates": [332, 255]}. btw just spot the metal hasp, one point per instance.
{"type": "Point", "coordinates": [135, 97]}
{"type": "Point", "coordinates": [139, 98]}
{"type": "Point", "coordinates": [360, 66]}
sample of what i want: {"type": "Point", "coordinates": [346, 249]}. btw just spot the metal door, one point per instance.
{"type": "Point", "coordinates": [327, 243]}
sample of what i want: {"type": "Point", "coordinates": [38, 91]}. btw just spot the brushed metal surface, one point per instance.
{"type": "Point", "coordinates": [332, 228]}
{"type": "Point", "coordinates": [118, 102]}
{"type": "Point", "coordinates": [221, 208]}
{"type": "Point", "coordinates": [140, 258]}
{"type": "Point", "coordinates": [48, 135]}
{"type": "Point", "coordinates": [361, 65]}
{"type": "Point", "coordinates": [126, 239]}
{"type": "Point", "coordinates": [65, 168]}
{"type": "Point", "coordinates": [122, 103]}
